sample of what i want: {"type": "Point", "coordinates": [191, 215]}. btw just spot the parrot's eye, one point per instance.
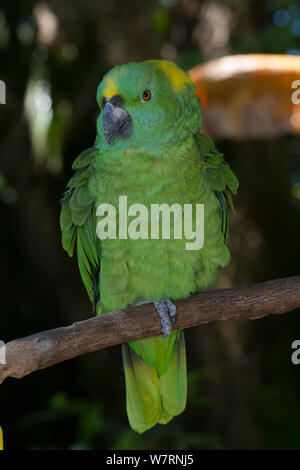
{"type": "Point", "coordinates": [146, 95]}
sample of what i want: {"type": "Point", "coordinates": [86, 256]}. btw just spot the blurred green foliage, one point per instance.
{"type": "Point", "coordinates": [243, 388]}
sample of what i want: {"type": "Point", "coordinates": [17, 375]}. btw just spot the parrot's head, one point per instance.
{"type": "Point", "coordinates": [146, 105]}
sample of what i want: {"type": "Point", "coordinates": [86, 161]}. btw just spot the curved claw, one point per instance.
{"type": "Point", "coordinates": [172, 310]}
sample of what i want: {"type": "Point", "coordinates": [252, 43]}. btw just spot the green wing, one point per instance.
{"type": "Point", "coordinates": [220, 176]}
{"type": "Point", "coordinates": [78, 224]}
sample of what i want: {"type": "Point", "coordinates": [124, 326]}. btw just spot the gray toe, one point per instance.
{"type": "Point", "coordinates": [163, 311]}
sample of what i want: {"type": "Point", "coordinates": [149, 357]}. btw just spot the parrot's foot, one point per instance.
{"type": "Point", "coordinates": [168, 315]}
{"type": "Point", "coordinates": [172, 310]}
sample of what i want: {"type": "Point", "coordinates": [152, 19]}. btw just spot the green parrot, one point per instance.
{"type": "Point", "coordinates": [149, 149]}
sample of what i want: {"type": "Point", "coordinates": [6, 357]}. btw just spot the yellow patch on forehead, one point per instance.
{"type": "Point", "coordinates": [110, 88]}
{"type": "Point", "coordinates": [177, 76]}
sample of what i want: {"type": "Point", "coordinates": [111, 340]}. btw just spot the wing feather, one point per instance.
{"type": "Point", "coordinates": [78, 224]}
{"type": "Point", "coordinates": [221, 178]}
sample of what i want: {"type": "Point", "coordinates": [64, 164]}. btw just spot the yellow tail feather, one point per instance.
{"type": "Point", "coordinates": [152, 398]}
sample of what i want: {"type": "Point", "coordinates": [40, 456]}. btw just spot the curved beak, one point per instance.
{"type": "Point", "coordinates": [116, 122]}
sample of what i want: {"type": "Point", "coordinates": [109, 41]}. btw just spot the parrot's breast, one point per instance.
{"type": "Point", "coordinates": [134, 265]}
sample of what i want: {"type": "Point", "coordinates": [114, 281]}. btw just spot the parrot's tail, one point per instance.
{"type": "Point", "coordinates": [155, 376]}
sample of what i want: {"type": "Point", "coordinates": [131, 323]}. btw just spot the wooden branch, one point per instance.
{"type": "Point", "coordinates": [47, 348]}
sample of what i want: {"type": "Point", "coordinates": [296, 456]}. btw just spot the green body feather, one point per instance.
{"type": "Point", "coordinates": [175, 164]}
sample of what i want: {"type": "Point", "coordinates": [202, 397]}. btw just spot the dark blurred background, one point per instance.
{"type": "Point", "coordinates": [243, 389]}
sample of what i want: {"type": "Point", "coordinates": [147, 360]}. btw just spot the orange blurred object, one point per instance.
{"type": "Point", "coordinates": [249, 95]}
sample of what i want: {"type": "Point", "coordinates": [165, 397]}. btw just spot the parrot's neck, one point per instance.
{"type": "Point", "coordinates": [145, 176]}
{"type": "Point", "coordinates": [177, 150]}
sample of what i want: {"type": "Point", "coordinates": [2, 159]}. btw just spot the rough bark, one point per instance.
{"type": "Point", "coordinates": [44, 349]}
